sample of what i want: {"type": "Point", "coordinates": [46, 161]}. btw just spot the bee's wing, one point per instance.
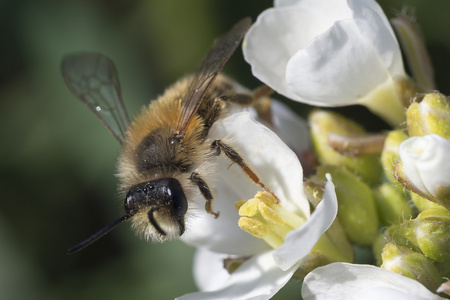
{"type": "Point", "coordinates": [92, 77]}
{"type": "Point", "coordinates": [211, 65]}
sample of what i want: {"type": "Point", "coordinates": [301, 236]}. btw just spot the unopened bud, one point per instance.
{"type": "Point", "coordinates": [335, 233]}
{"type": "Point", "coordinates": [433, 234]}
{"type": "Point", "coordinates": [312, 260]}
{"type": "Point", "coordinates": [392, 204]}
{"type": "Point", "coordinates": [423, 203]}
{"type": "Point", "coordinates": [356, 206]}
{"type": "Point", "coordinates": [429, 116]}
{"type": "Point", "coordinates": [325, 123]}
{"type": "Point", "coordinates": [411, 264]}
{"type": "Point", "coordinates": [425, 167]}
{"type": "Point", "coordinates": [392, 234]}
{"type": "Point", "coordinates": [390, 155]}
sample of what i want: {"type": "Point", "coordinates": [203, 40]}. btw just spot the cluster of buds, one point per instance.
{"type": "Point", "coordinates": [397, 183]}
{"type": "Point", "coordinates": [367, 198]}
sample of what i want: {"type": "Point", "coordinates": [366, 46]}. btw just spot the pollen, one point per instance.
{"type": "Point", "coordinates": [264, 218]}
{"type": "Point", "coordinates": [254, 227]}
{"type": "Point", "coordinates": [269, 214]}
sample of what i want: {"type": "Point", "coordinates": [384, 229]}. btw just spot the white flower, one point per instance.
{"type": "Point", "coordinates": [268, 269]}
{"type": "Point", "coordinates": [426, 164]}
{"type": "Point", "coordinates": [349, 281]}
{"type": "Point", "coordinates": [328, 53]}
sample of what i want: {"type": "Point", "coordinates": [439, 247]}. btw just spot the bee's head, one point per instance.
{"type": "Point", "coordinates": [157, 208]}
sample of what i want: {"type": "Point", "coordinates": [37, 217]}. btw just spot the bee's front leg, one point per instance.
{"type": "Point", "coordinates": [206, 192]}
{"type": "Point", "coordinates": [218, 146]}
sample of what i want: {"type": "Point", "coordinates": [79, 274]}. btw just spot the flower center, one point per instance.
{"type": "Point", "coordinates": [263, 218]}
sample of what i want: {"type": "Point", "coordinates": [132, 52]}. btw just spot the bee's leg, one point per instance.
{"type": "Point", "coordinates": [262, 91]}
{"type": "Point", "coordinates": [206, 192]}
{"type": "Point", "coordinates": [214, 108]}
{"type": "Point", "coordinates": [260, 101]}
{"type": "Point", "coordinates": [220, 146]}
{"type": "Point", "coordinates": [249, 99]}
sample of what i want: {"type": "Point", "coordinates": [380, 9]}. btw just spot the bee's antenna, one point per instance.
{"type": "Point", "coordinates": [97, 235]}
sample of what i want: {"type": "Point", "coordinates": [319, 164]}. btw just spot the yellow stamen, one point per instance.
{"type": "Point", "coordinates": [249, 208]}
{"type": "Point", "coordinates": [264, 218]}
{"type": "Point", "coordinates": [269, 214]}
{"type": "Point", "coordinates": [254, 227]}
{"type": "Point", "coordinates": [238, 204]}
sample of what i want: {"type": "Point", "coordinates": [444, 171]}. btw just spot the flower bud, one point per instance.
{"type": "Point", "coordinates": [433, 234]}
{"type": "Point", "coordinates": [313, 260]}
{"type": "Point", "coordinates": [429, 116]}
{"type": "Point", "coordinates": [425, 167]}
{"type": "Point", "coordinates": [393, 234]}
{"type": "Point", "coordinates": [390, 155]}
{"type": "Point", "coordinates": [356, 206]}
{"type": "Point", "coordinates": [335, 233]}
{"type": "Point", "coordinates": [422, 203]}
{"type": "Point", "coordinates": [392, 204]}
{"type": "Point", "coordinates": [429, 234]}
{"type": "Point", "coordinates": [325, 123]}
{"type": "Point", "coordinates": [411, 264]}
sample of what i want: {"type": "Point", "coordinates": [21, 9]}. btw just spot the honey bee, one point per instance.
{"type": "Point", "coordinates": [166, 152]}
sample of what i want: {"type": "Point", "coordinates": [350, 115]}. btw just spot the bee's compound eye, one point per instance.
{"type": "Point", "coordinates": [179, 202]}
{"type": "Point", "coordinates": [165, 192]}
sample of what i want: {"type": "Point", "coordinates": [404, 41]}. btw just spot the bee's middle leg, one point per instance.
{"type": "Point", "coordinates": [206, 192]}
{"type": "Point", "coordinates": [229, 152]}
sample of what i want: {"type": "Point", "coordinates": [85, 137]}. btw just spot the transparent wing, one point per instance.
{"type": "Point", "coordinates": [211, 65]}
{"type": "Point", "coordinates": [92, 77]}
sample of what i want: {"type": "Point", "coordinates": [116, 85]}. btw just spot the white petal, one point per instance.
{"type": "Point", "coordinates": [426, 162]}
{"type": "Point", "coordinates": [300, 242]}
{"type": "Point", "coordinates": [332, 10]}
{"type": "Point", "coordinates": [222, 234]}
{"type": "Point", "coordinates": [276, 164]}
{"type": "Point", "coordinates": [348, 281]}
{"type": "Point", "coordinates": [276, 35]}
{"type": "Point", "coordinates": [209, 273]}
{"type": "Point", "coordinates": [329, 72]}
{"type": "Point", "coordinates": [374, 26]}
{"type": "Point", "coordinates": [257, 278]}
{"type": "Point", "coordinates": [289, 126]}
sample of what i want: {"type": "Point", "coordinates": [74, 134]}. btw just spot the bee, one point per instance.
{"type": "Point", "coordinates": [166, 152]}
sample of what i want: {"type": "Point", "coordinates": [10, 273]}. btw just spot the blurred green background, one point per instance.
{"type": "Point", "coordinates": [57, 161]}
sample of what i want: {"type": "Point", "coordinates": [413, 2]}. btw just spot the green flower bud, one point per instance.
{"type": "Point", "coordinates": [411, 264]}
{"type": "Point", "coordinates": [311, 261]}
{"type": "Point", "coordinates": [392, 204]}
{"type": "Point", "coordinates": [395, 234]}
{"type": "Point", "coordinates": [377, 248]}
{"type": "Point", "coordinates": [390, 155]}
{"type": "Point", "coordinates": [429, 234]}
{"type": "Point", "coordinates": [356, 205]}
{"type": "Point", "coordinates": [430, 116]}
{"type": "Point", "coordinates": [433, 234]}
{"type": "Point", "coordinates": [423, 203]}
{"type": "Point", "coordinates": [335, 234]}
{"type": "Point", "coordinates": [325, 123]}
